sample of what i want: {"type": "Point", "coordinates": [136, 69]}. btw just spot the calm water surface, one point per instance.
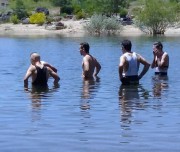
{"type": "Point", "coordinates": [95, 115]}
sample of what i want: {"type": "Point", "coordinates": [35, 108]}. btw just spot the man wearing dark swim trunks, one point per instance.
{"type": "Point", "coordinates": [90, 65]}
{"type": "Point", "coordinates": [129, 65]}
{"type": "Point", "coordinates": [39, 72]}
{"type": "Point", "coordinates": [160, 60]}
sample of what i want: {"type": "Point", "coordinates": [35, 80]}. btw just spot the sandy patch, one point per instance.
{"type": "Point", "coordinates": [74, 28]}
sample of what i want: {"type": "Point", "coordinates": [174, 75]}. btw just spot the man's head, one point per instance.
{"type": "Point", "coordinates": [126, 45]}
{"type": "Point", "coordinates": [158, 45]}
{"type": "Point", "coordinates": [84, 48]}
{"type": "Point", "coordinates": [157, 48]}
{"type": "Point", "coordinates": [35, 57]}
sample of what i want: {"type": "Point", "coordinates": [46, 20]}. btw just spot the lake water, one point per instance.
{"type": "Point", "coordinates": [97, 115]}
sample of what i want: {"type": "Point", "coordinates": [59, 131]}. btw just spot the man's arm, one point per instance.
{"type": "Point", "coordinates": [154, 63]}
{"type": "Point", "coordinates": [49, 65]}
{"type": "Point", "coordinates": [85, 67]}
{"type": "Point", "coordinates": [27, 75]}
{"type": "Point", "coordinates": [98, 67]}
{"type": "Point", "coordinates": [121, 65]}
{"type": "Point", "coordinates": [145, 68]}
{"type": "Point", "coordinates": [54, 75]}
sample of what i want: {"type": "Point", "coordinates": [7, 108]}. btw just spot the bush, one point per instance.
{"type": "Point", "coordinates": [14, 19]}
{"type": "Point", "coordinates": [67, 9]}
{"type": "Point", "coordinates": [80, 15]}
{"type": "Point", "coordinates": [37, 18]}
{"type": "Point", "coordinates": [111, 25]}
{"type": "Point", "coordinates": [20, 10]}
{"type": "Point", "coordinates": [101, 24]}
{"type": "Point", "coordinates": [153, 19]}
{"type": "Point", "coordinates": [96, 24]}
{"type": "Point", "coordinates": [123, 12]}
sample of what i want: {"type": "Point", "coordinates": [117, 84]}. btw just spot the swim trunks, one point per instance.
{"type": "Point", "coordinates": [129, 80]}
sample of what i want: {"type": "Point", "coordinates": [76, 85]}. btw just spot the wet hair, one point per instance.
{"type": "Point", "coordinates": [85, 46]}
{"type": "Point", "coordinates": [126, 44]}
{"type": "Point", "coordinates": [158, 45]}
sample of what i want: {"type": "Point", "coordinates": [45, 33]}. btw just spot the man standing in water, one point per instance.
{"type": "Point", "coordinates": [39, 72]}
{"type": "Point", "coordinates": [129, 65]}
{"type": "Point", "coordinates": [161, 60]}
{"type": "Point", "coordinates": [90, 65]}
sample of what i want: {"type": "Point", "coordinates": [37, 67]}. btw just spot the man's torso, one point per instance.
{"type": "Point", "coordinates": [40, 75]}
{"type": "Point", "coordinates": [92, 64]}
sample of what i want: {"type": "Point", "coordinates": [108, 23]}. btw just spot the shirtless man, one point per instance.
{"type": "Point", "coordinates": [90, 65]}
{"type": "Point", "coordinates": [161, 59]}
{"type": "Point", "coordinates": [39, 72]}
{"type": "Point", "coordinates": [129, 65]}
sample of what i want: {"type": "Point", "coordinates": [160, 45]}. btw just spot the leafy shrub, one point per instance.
{"type": "Point", "coordinates": [67, 9]}
{"type": "Point", "coordinates": [96, 24]}
{"type": "Point", "coordinates": [14, 19]}
{"type": "Point", "coordinates": [101, 24]}
{"type": "Point", "coordinates": [37, 18]}
{"type": "Point", "coordinates": [19, 9]}
{"type": "Point", "coordinates": [153, 19]}
{"type": "Point", "coordinates": [80, 15]}
{"type": "Point", "coordinates": [77, 9]}
{"type": "Point", "coordinates": [111, 25]}
{"type": "Point", "coordinates": [21, 13]}
{"type": "Point", "coordinates": [123, 12]}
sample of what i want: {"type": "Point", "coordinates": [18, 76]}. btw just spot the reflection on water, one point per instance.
{"type": "Point", "coordinates": [160, 83]}
{"type": "Point", "coordinates": [129, 100]}
{"type": "Point", "coordinates": [38, 95]}
{"type": "Point", "coordinates": [89, 89]}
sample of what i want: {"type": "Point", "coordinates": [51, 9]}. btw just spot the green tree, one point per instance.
{"type": "Point", "coordinates": [61, 2]}
{"type": "Point", "coordinates": [20, 9]}
{"type": "Point", "coordinates": [156, 15]}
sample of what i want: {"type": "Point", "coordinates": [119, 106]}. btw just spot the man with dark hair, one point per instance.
{"type": "Point", "coordinates": [39, 72]}
{"type": "Point", "coordinates": [160, 60]}
{"type": "Point", "coordinates": [129, 65]}
{"type": "Point", "coordinates": [89, 63]}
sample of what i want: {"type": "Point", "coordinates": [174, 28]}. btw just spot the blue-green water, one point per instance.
{"type": "Point", "coordinates": [79, 115]}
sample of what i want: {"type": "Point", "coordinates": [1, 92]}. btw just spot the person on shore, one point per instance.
{"type": "Point", "coordinates": [39, 72]}
{"type": "Point", "coordinates": [160, 60]}
{"type": "Point", "coordinates": [90, 65]}
{"type": "Point", "coordinates": [129, 65]}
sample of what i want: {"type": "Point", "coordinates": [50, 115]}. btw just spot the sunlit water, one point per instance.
{"type": "Point", "coordinates": [96, 115]}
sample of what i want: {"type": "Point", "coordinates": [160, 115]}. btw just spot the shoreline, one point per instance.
{"type": "Point", "coordinates": [74, 28]}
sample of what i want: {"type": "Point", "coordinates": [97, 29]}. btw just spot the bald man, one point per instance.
{"type": "Point", "coordinates": [39, 72]}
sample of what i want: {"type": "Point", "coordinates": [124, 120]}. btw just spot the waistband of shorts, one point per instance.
{"type": "Point", "coordinates": [160, 73]}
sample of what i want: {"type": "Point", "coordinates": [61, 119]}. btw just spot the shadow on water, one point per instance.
{"type": "Point", "coordinates": [89, 88]}
{"type": "Point", "coordinates": [160, 84]}
{"type": "Point", "coordinates": [131, 98]}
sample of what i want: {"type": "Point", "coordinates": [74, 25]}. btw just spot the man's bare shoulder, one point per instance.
{"type": "Point", "coordinates": [32, 67]}
{"type": "Point", "coordinates": [44, 63]}
{"type": "Point", "coordinates": [86, 58]}
{"type": "Point", "coordinates": [122, 57]}
{"type": "Point", "coordinates": [165, 54]}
